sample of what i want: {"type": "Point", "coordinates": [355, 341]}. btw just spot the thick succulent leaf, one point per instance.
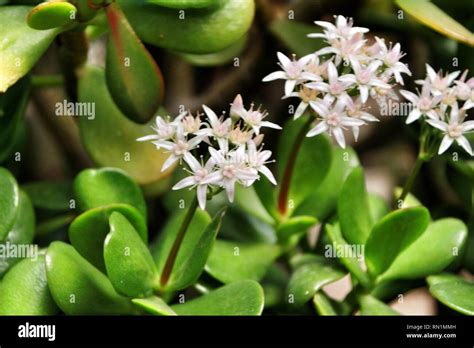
{"type": "Point", "coordinates": [378, 207]}
{"type": "Point", "coordinates": [24, 290]}
{"type": "Point", "coordinates": [441, 244]}
{"type": "Point", "coordinates": [353, 208]}
{"type": "Point", "coordinates": [50, 195]}
{"type": "Point", "coordinates": [239, 298]}
{"type": "Point", "coordinates": [189, 271]}
{"type": "Point", "coordinates": [129, 264]}
{"type": "Point", "coordinates": [294, 35]}
{"type": "Point", "coordinates": [22, 231]}
{"type": "Point", "coordinates": [9, 202]}
{"type": "Point", "coordinates": [453, 291]}
{"type": "Point", "coordinates": [350, 261]}
{"type": "Point", "coordinates": [310, 164]}
{"type": "Point", "coordinates": [78, 288]}
{"type": "Point", "coordinates": [194, 30]}
{"type": "Point", "coordinates": [21, 45]}
{"type": "Point", "coordinates": [393, 234]}
{"type": "Point", "coordinates": [49, 15]}
{"type": "Point", "coordinates": [310, 277]}
{"type": "Point", "coordinates": [184, 4]}
{"type": "Point", "coordinates": [133, 77]}
{"type": "Point", "coordinates": [153, 305]}
{"type": "Point", "coordinates": [323, 199]}
{"type": "Point", "coordinates": [225, 56]}
{"type": "Point", "coordinates": [111, 138]}
{"type": "Point", "coordinates": [248, 200]}
{"type": "Point", "coordinates": [369, 305]}
{"type": "Point", "coordinates": [432, 16]}
{"type": "Point", "coordinates": [95, 188]}
{"type": "Point", "coordinates": [295, 226]}
{"type": "Point", "coordinates": [197, 240]}
{"type": "Point", "coordinates": [233, 261]}
{"type": "Point", "coordinates": [323, 304]}
{"type": "Point", "coordinates": [88, 231]}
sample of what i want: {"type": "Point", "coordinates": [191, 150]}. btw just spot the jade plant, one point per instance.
{"type": "Point", "coordinates": [262, 209]}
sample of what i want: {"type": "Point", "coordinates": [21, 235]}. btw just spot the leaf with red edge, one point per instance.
{"type": "Point", "coordinates": [133, 77]}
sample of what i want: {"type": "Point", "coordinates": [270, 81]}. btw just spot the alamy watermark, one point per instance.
{"type": "Point", "coordinates": [18, 251]}
{"type": "Point", "coordinates": [334, 251]}
{"type": "Point", "coordinates": [395, 108]}
{"type": "Point", "coordinates": [77, 109]}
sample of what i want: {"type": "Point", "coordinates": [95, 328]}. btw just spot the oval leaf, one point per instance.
{"type": "Point", "coordinates": [369, 305]}
{"type": "Point", "coordinates": [431, 15]}
{"type": "Point", "coordinates": [353, 208]}
{"type": "Point", "coordinates": [133, 77]}
{"type": "Point", "coordinates": [128, 262]}
{"type": "Point", "coordinates": [21, 45]}
{"type": "Point", "coordinates": [239, 298]}
{"type": "Point", "coordinates": [111, 135]}
{"type": "Point", "coordinates": [234, 261]}
{"type": "Point", "coordinates": [24, 290]}
{"type": "Point", "coordinates": [440, 245]}
{"type": "Point", "coordinates": [50, 195]}
{"type": "Point", "coordinates": [393, 234]}
{"type": "Point", "coordinates": [22, 232]}
{"type": "Point", "coordinates": [88, 231]}
{"type": "Point", "coordinates": [454, 292]}
{"type": "Point", "coordinates": [78, 288]}
{"type": "Point", "coordinates": [49, 15]}
{"type": "Point", "coordinates": [201, 31]}
{"type": "Point", "coordinates": [153, 305]}
{"type": "Point", "coordinates": [310, 277]}
{"type": "Point", "coordinates": [297, 225]}
{"type": "Point", "coordinates": [9, 202]}
{"type": "Point", "coordinates": [98, 187]}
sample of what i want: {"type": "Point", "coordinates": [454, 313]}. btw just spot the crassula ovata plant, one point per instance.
{"type": "Point", "coordinates": [152, 202]}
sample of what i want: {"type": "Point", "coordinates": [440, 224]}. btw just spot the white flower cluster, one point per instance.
{"type": "Point", "coordinates": [234, 148]}
{"type": "Point", "coordinates": [337, 81]}
{"type": "Point", "coordinates": [443, 100]}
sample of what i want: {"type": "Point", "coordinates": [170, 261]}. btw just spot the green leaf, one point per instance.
{"type": "Point", "coordinates": [350, 260]}
{"type": "Point", "coordinates": [323, 199]}
{"type": "Point", "coordinates": [223, 57]}
{"type": "Point", "coordinates": [353, 208]}
{"type": "Point", "coordinates": [153, 305]}
{"type": "Point", "coordinates": [310, 165]}
{"type": "Point", "coordinates": [454, 292]}
{"type": "Point", "coordinates": [189, 271]}
{"type": "Point", "coordinates": [369, 305]}
{"type": "Point", "coordinates": [239, 298]}
{"type": "Point", "coordinates": [78, 288]}
{"type": "Point", "coordinates": [310, 277]}
{"type": "Point", "coordinates": [197, 240]}
{"type": "Point", "coordinates": [88, 231]}
{"type": "Point", "coordinates": [378, 207]}
{"type": "Point", "coordinates": [248, 200]}
{"type": "Point", "coordinates": [21, 45]}
{"type": "Point", "coordinates": [233, 261]}
{"type": "Point", "coordinates": [22, 231]}
{"type": "Point", "coordinates": [410, 199]}
{"type": "Point", "coordinates": [202, 30]}
{"type": "Point", "coordinates": [98, 187]}
{"type": "Point", "coordinates": [432, 16]}
{"type": "Point", "coordinates": [184, 4]}
{"type": "Point", "coordinates": [297, 225]}
{"type": "Point", "coordinates": [295, 36]}
{"type": "Point", "coordinates": [441, 244]}
{"type": "Point", "coordinates": [393, 234]}
{"type": "Point", "coordinates": [9, 202]}
{"type": "Point", "coordinates": [133, 77]}
{"type": "Point", "coordinates": [50, 195]}
{"type": "Point", "coordinates": [128, 262]}
{"type": "Point", "coordinates": [323, 304]}
{"type": "Point", "coordinates": [49, 15]}
{"type": "Point", "coordinates": [24, 290]}
{"type": "Point", "coordinates": [111, 138]}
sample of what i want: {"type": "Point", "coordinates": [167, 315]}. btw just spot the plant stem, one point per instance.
{"type": "Point", "coordinates": [288, 173]}
{"type": "Point", "coordinates": [39, 81]}
{"type": "Point", "coordinates": [168, 268]}
{"type": "Point", "coordinates": [411, 179]}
